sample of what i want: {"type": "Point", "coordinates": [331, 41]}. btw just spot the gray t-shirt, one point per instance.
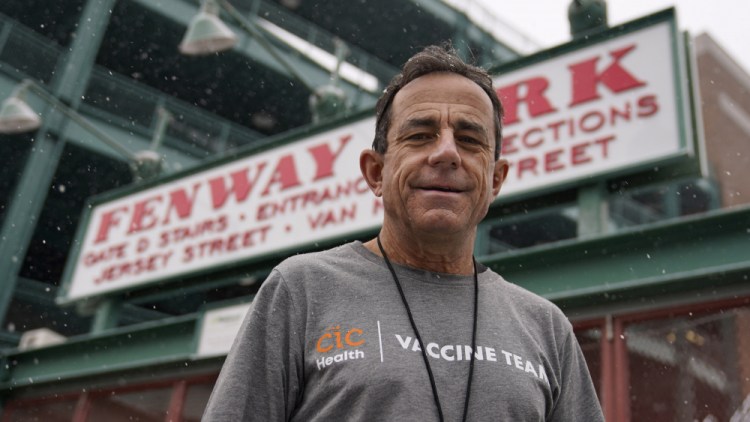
{"type": "Point", "coordinates": [328, 339]}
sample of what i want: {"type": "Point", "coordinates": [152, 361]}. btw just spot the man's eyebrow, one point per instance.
{"type": "Point", "coordinates": [419, 122]}
{"type": "Point", "coordinates": [470, 126]}
{"type": "Point", "coordinates": [431, 123]}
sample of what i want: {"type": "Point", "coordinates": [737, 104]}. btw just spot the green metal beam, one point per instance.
{"type": "Point", "coordinates": [30, 193]}
{"type": "Point", "coordinates": [24, 208]}
{"type": "Point", "coordinates": [132, 140]}
{"type": "Point", "coordinates": [706, 250]}
{"type": "Point", "coordinates": [592, 209]}
{"type": "Point", "coordinates": [182, 12]}
{"type": "Point", "coordinates": [144, 345]}
{"type": "Point", "coordinates": [78, 63]}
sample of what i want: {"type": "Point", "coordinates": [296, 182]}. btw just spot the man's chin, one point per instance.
{"type": "Point", "coordinates": [440, 222]}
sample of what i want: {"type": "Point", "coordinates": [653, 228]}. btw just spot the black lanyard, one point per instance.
{"type": "Point", "coordinates": [419, 338]}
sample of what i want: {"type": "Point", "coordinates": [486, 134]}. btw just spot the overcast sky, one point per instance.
{"type": "Point", "coordinates": [545, 22]}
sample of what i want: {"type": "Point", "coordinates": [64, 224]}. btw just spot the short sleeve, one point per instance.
{"type": "Point", "coordinates": [577, 400]}
{"type": "Point", "coordinates": [262, 377]}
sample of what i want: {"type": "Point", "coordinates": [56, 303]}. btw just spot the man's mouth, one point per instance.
{"type": "Point", "coordinates": [442, 189]}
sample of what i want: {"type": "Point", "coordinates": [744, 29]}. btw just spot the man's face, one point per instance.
{"type": "Point", "coordinates": [438, 174]}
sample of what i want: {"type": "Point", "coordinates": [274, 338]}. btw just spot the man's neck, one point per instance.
{"type": "Point", "coordinates": [442, 255]}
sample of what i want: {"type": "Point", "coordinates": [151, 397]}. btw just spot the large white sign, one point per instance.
{"type": "Point", "coordinates": [597, 110]}
{"type": "Point", "coordinates": [219, 328]}
{"type": "Point", "coordinates": [282, 198]}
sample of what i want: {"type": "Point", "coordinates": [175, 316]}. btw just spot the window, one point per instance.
{"type": "Point", "coordinates": [672, 365]}
{"type": "Point", "coordinates": [142, 405]}
{"type": "Point", "coordinates": [196, 400]}
{"type": "Point", "coordinates": [532, 229]}
{"type": "Point", "coordinates": [590, 341]}
{"type": "Point", "coordinates": [48, 409]}
{"type": "Point", "coordinates": [692, 367]}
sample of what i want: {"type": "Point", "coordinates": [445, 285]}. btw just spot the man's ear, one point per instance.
{"type": "Point", "coordinates": [499, 173]}
{"type": "Point", "coordinates": [371, 166]}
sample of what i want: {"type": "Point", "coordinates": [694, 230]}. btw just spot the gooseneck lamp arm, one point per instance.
{"type": "Point", "coordinates": [16, 117]}
{"type": "Point", "coordinates": [263, 41]}
{"type": "Point", "coordinates": [28, 84]}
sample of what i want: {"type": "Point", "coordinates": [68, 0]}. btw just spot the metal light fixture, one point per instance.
{"type": "Point", "coordinates": [16, 116]}
{"type": "Point", "coordinates": [149, 163]}
{"type": "Point", "coordinates": [206, 32]}
{"type": "Point", "coordinates": [587, 17]}
{"type": "Point", "coordinates": [329, 101]}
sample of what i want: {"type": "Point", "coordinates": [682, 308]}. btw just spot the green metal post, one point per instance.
{"type": "Point", "coordinates": [592, 210]}
{"type": "Point", "coordinates": [482, 241]}
{"type": "Point", "coordinates": [5, 34]}
{"type": "Point", "coordinates": [671, 201]}
{"type": "Point", "coordinates": [27, 201]}
{"type": "Point", "coordinates": [223, 140]}
{"type": "Point", "coordinates": [78, 63]}
{"type": "Point", "coordinates": [23, 211]}
{"type": "Point", "coordinates": [107, 315]}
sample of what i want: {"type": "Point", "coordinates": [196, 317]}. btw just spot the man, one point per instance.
{"type": "Point", "coordinates": [386, 330]}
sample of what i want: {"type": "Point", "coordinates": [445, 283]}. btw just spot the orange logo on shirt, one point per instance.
{"type": "Point", "coordinates": [334, 337]}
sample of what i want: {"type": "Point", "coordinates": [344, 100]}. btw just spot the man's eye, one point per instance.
{"type": "Point", "coordinates": [469, 140]}
{"type": "Point", "coordinates": [420, 136]}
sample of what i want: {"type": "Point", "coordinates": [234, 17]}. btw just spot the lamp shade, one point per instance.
{"type": "Point", "coordinates": [17, 117]}
{"type": "Point", "coordinates": [148, 165]}
{"type": "Point", "coordinates": [206, 34]}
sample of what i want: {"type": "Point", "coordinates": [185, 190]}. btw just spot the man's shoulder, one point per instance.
{"type": "Point", "coordinates": [334, 259]}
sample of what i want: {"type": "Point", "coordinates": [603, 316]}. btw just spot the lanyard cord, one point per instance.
{"type": "Point", "coordinates": [421, 344]}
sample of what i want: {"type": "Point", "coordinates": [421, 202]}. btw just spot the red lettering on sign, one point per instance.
{"type": "Point", "coordinates": [143, 215]}
{"type": "Point", "coordinates": [552, 160]}
{"type": "Point", "coordinates": [285, 174]}
{"type": "Point", "coordinates": [377, 206]}
{"type": "Point", "coordinates": [242, 185]}
{"type": "Point", "coordinates": [507, 146]}
{"type": "Point", "coordinates": [163, 207]}
{"type": "Point", "coordinates": [527, 164]}
{"type": "Point", "coordinates": [585, 80]}
{"type": "Point", "coordinates": [230, 243]}
{"type": "Point", "coordinates": [109, 220]}
{"type": "Point", "coordinates": [536, 103]}
{"type": "Point", "coordinates": [578, 154]}
{"type": "Point", "coordinates": [324, 158]}
{"type": "Point", "coordinates": [535, 143]}
{"type": "Point", "coordinates": [112, 252]}
{"type": "Point", "coordinates": [604, 142]}
{"type": "Point", "coordinates": [325, 218]}
{"type": "Point", "coordinates": [181, 202]}
{"type": "Point", "coordinates": [647, 106]}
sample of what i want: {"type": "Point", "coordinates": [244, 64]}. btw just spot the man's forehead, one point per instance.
{"type": "Point", "coordinates": [430, 94]}
{"type": "Point", "coordinates": [431, 79]}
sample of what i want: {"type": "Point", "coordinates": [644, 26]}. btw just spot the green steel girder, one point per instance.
{"type": "Point", "coordinates": [693, 253]}
{"type": "Point", "coordinates": [25, 206]}
{"type": "Point", "coordinates": [707, 250]}
{"type": "Point", "coordinates": [145, 345]}
{"type": "Point", "coordinates": [131, 140]}
{"type": "Point", "coordinates": [77, 65]}
{"type": "Point", "coordinates": [182, 12]}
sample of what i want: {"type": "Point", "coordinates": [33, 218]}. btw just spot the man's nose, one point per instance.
{"type": "Point", "coordinates": [445, 151]}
